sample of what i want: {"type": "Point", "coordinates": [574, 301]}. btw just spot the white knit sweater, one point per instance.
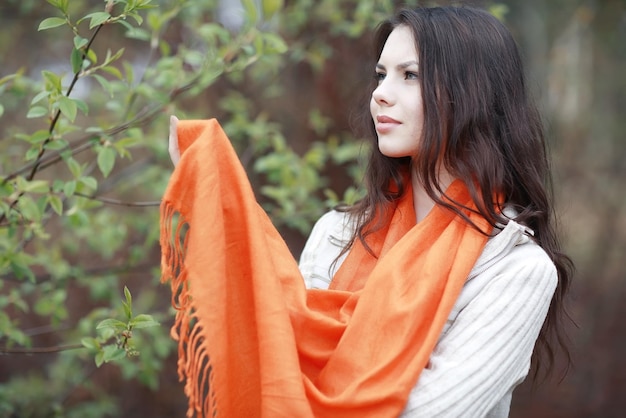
{"type": "Point", "coordinates": [485, 348]}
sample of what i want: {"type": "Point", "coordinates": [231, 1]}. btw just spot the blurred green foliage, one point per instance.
{"type": "Point", "coordinates": [83, 163]}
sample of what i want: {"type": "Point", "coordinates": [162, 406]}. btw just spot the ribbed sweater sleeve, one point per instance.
{"type": "Point", "coordinates": [485, 349]}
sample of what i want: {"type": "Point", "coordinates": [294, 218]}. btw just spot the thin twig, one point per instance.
{"type": "Point", "coordinates": [126, 269]}
{"type": "Point", "coordinates": [40, 350]}
{"type": "Point", "coordinates": [119, 202]}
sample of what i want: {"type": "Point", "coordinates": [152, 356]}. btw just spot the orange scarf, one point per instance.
{"type": "Point", "coordinates": [253, 342]}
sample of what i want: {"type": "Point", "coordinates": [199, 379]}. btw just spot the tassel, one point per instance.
{"type": "Point", "coordinates": [194, 362]}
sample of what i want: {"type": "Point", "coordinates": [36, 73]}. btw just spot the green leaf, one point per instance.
{"type": "Point", "coordinates": [111, 58]}
{"type": "Point", "coordinates": [15, 298]}
{"type": "Point", "coordinates": [89, 182]}
{"type": "Point", "coordinates": [127, 310]}
{"type": "Point", "coordinates": [56, 204]}
{"type": "Point", "coordinates": [274, 44]}
{"type": "Point", "coordinates": [144, 4]}
{"type": "Point", "coordinates": [251, 11]}
{"type": "Point", "coordinates": [92, 56]}
{"type": "Point", "coordinates": [60, 4]}
{"type": "Point", "coordinates": [80, 42]}
{"type": "Point", "coordinates": [75, 168]}
{"type": "Point", "coordinates": [106, 333]}
{"type": "Point", "coordinates": [76, 59]}
{"type": "Point", "coordinates": [1, 110]}
{"type": "Point", "coordinates": [16, 76]}
{"type": "Point", "coordinates": [106, 160]}
{"type": "Point", "coordinates": [68, 107]}
{"type": "Point", "coordinates": [21, 268]}
{"type": "Point", "coordinates": [137, 33]}
{"type": "Point", "coordinates": [31, 154]}
{"type": "Point", "coordinates": [57, 186]}
{"type": "Point", "coordinates": [82, 106]}
{"type": "Point", "coordinates": [128, 304]}
{"type": "Point", "coordinates": [94, 129]}
{"type": "Point", "coordinates": [37, 112]}
{"type": "Point", "coordinates": [69, 188]}
{"type": "Point", "coordinates": [112, 323]}
{"type": "Point", "coordinates": [270, 7]}
{"type": "Point", "coordinates": [99, 358]}
{"type": "Point", "coordinates": [125, 143]}
{"type": "Point", "coordinates": [40, 96]}
{"type": "Point", "coordinates": [128, 296]}
{"type": "Point", "coordinates": [52, 304]}
{"type": "Point", "coordinates": [51, 22]}
{"type": "Point", "coordinates": [53, 81]}
{"type": "Point", "coordinates": [57, 144]}
{"type": "Point", "coordinates": [104, 83]}
{"type": "Point", "coordinates": [36, 186]}
{"type": "Point", "coordinates": [130, 76]}
{"type": "Point", "coordinates": [39, 136]}
{"type": "Point", "coordinates": [97, 18]}
{"type": "Point", "coordinates": [113, 353]}
{"type": "Point", "coordinates": [137, 17]}
{"type": "Point", "coordinates": [90, 343]}
{"type": "Point", "coordinates": [143, 321]}
{"type": "Point", "coordinates": [113, 71]}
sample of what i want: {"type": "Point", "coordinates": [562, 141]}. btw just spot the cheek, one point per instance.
{"type": "Point", "coordinates": [373, 107]}
{"type": "Point", "coordinates": [418, 110]}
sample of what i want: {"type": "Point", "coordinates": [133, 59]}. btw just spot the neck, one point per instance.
{"type": "Point", "coordinates": [422, 202]}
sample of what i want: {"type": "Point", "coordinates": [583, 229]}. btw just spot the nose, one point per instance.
{"type": "Point", "coordinates": [382, 94]}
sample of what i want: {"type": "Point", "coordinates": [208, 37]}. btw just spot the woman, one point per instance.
{"type": "Point", "coordinates": [451, 104]}
{"type": "Point", "coordinates": [425, 298]}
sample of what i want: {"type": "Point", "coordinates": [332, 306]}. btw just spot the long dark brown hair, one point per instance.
{"type": "Point", "coordinates": [481, 124]}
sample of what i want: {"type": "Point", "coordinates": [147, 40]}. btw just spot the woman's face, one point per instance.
{"type": "Point", "coordinates": [396, 104]}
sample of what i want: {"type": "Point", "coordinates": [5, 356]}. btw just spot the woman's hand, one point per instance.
{"type": "Point", "coordinates": [173, 141]}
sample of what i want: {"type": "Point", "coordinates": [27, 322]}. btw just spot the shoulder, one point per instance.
{"type": "Point", "coordinates": [516, 268]}
{"type": "Point", "coordinates": [332, 222]}
{"type": "Point", "coordinates": [334, 228]}
{"type": "Point", "coordinates": [330, 234]}
{"type": "Point", "coordinates": [513, 249]}
{"type": "Point", "coordinates": [486, 346]}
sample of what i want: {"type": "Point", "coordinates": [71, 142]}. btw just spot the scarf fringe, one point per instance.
{"type": "Point", "coordinates": [194, 363]}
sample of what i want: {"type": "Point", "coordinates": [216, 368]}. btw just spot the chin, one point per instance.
{"type": "Point", "coordinates": [392, 152]}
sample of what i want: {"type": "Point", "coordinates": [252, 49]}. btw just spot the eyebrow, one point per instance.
{"type": "Point", "coordinates": [400, 66]}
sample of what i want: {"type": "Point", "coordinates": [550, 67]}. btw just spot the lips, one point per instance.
{"type": "Point", "coordinates": [385, 124]}
{"type": "Point", "coordinates": [386, 119]}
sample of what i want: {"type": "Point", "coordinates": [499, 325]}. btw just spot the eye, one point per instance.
{"type": "Point", "coordinates": [379, 76]}
{"type": "Point", "coordinates": [410, 75]}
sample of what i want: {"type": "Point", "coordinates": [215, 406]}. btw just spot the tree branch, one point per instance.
{"type": "Point", "coordinates": [124, 269]}
{"type": "Point", "coordinates": [53, 123]}
{"type": "Point", "coordinates": [40, 350]}
{"type": "Point", "coordinates": [119, 202]}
